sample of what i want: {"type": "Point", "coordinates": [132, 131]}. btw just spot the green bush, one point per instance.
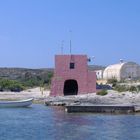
{"type": "Point", "coordinates": [32, 82]}
{"type": "Point", "coordinates": [121, 88]}
{"type": "Point", "coordinates": [27, 81]}
{"type": "Point", "coordinates": [102, 92]}
{"type": "Point", "coordinates": [10, 85]}
{"type": "Point", "coordinates": [133, 89]}
{"type": "Point", "coordinates": [138, 88]}
{"type": "Point", "coordinates": [37, 80]}
{"type": "Point", "coordinates": [112, 81]}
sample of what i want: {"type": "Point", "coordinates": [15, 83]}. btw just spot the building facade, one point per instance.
{"type": "Point", "coordinates": [71, 76]}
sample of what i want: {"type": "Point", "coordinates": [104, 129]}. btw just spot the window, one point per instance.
{"type": "Point", "coordinates": [72, 65]}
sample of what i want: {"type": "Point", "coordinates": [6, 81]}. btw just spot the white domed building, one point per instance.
{"type": "Point", "coordinates": [122, 71]}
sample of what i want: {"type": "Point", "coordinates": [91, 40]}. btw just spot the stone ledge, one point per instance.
{"type": "Point", "coordinates": [100, 108]}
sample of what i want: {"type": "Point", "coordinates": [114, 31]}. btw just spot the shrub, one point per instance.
{"type": "Point", "coordinates": [32, 82]}
{"type": "Point", "coordinates": [29, 80]}
{"type": "Point", "coordinates": [138, 88]}
{"type": "Point", "coordinates": [121, 88]}
{"type": "Point", "coordinates": [102, 92]}
{"type": "Point", "coordinates": [133, 89]}
{"type": "Point", "coordinates": [10, 85]}
{"type": "Point", "coordinates": [112, 81]}
{"type": "Point", "coordinates": [16, 87]}
{"type": "Point", "coordinates": [37, 80]}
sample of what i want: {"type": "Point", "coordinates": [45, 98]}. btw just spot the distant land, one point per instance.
{"type": "Point", "coordinates": [21, 73]}
{"type": "Point", "coordinates": [96, 67]}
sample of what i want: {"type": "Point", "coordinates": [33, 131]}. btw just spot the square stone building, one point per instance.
{"type": "Point", "coordinates": [71, 76]}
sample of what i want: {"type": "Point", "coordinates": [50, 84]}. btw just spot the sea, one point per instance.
{"type": "Point", "coordinates": [40, 122]}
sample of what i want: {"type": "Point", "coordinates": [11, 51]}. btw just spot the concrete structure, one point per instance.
{"type": "Point", "coordinates": [100, 108]}
{"type": "Point", "coordinates": [122, 71]}
{"type": "Point", "coordinates": [71, 76]}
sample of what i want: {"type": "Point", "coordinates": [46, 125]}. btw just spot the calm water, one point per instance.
{"type": "Point", "coordinates": [46, 123]}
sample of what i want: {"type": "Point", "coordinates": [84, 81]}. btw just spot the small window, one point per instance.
{"type": "Point", "coordinates": [72, 65]}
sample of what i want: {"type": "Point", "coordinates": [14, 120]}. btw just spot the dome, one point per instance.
{"type": "Point", "coordinates": [121, 71]}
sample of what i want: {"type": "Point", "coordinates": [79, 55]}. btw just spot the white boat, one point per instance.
{"type": "Point", "coordinates": [20, 103]}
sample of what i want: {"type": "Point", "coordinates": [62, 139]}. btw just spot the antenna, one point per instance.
{"type": "Point", "coordinates": [62, 45]}
{"type": "Point", "coordinates": [70, 46]}
{"type": "Point", "coordinates": [70, 41]}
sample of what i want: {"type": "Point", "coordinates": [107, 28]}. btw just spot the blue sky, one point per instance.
{"type": "Point", "coordinates": [32, 31]}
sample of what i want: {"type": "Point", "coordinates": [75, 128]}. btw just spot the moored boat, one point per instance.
{"type": "Point", "coordinates": [19, 103]}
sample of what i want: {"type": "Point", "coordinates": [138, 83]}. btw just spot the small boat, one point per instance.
{"type": "Point", "coordinates": [20, 103]}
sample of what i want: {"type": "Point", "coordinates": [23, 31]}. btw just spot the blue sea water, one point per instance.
{"type": "Point", "coordinates": [40, 122]}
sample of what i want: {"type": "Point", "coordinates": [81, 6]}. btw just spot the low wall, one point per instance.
{"type": "Point", "coordinates": [100, 109]}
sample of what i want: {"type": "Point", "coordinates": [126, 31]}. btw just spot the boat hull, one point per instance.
{"type": "Point", "coordinates": [21, 103]}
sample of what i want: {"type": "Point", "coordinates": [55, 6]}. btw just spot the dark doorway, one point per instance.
{"type": "Point", "coordinates": [70, 87]}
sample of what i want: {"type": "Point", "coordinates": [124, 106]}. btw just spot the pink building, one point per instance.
{"type": "Point", "coordinates": [71, 76]}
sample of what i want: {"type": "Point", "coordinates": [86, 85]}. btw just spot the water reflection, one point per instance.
{"type": "Point", "coordinates": [71, 126]}
{"type": "Point", "coordinates": [95, 126]}
{"type": "Point", "coordinates": [48, 123]}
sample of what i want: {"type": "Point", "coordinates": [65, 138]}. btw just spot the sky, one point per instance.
{"type": "Point", "coordinates": [33, 31]}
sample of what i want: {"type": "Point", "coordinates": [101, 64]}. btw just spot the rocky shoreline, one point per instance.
{"type": "Point", "coordinates": [113, 102]}
{"type": "Point", "coordinates": [112, 98]}
{"type": "Point", "coordinates": [91, 99]}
